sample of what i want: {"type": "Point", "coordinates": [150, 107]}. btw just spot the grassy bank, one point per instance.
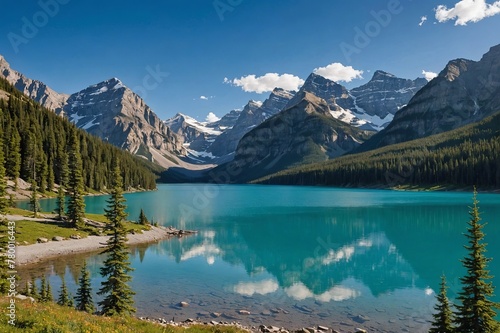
{"type": "Point", "coordinates": [28, 231]}
{"type": "Point", "coordinates": [50, 317]}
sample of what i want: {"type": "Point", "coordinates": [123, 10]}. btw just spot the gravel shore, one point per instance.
{"type": "Point", "coordinates": [29, 254]}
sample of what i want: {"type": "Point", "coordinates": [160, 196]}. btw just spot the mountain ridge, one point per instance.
{"type": "Point", "coordinates": [304, 132]}
{"type": "Point", "coordinates": [465, 91]}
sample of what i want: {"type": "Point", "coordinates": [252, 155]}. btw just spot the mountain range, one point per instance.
{"type": "Point", "coordinates": [322, 121]}
{"type": "Point", "coordinates": [464, 92]}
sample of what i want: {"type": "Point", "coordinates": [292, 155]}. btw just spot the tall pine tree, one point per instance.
{"type": "Point", "coordinates": [43, 290]}
{"type": "Point", "coordinates": [60, 202]}
{"type": "Point", "coordinates": [4, 240]}
{"type": "Point", "coordinates": [83, 296]}
{"type": "Point", "coordinates": [76, 203]}
{"type": "Point", "coordinates": [443, 318]}
{"type": "Point", "coordinates": [118, 296]}
{"type": "Point", "coordinates": [34, 203]}
{"type": "Point", "coordinates": [4, 201]}
{"type": "Point", "coordinates": [476, 312]}
{"type": "Point", "coordinates": [13, 158]}
{"type": "Point", "coordinates": [142, 218]}
{"type": "Point", "coordinates": [64, 298]}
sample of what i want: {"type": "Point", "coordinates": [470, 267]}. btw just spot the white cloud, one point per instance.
{"type": "Point", "coordinates": [466, 11]}
{"type": "Point", "coordinates": [422, 20]}
{"type": "Point", "coordinates": [267, 82]}
{"type": "Point", "coordinates": [204, 98]}
{"type": "Point", "coordinates": [429, 75]}
{"type": "Point", "coordinates": [212, 118]}
{"type": "Point", "coordinates": [339, 72]}
{"type": "Point", "coordinates": [300, 292]}
{"type": "Point", "coordinates": [344, 253]}
{"type": "Point", "coordinates": [262, 287]}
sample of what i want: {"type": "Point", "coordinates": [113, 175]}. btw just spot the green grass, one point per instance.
{"type": "Point", "coordinates": [30, 231]}
{"type": "Point", "coordinates": [20, 212]}
{"type": "Point", "coordinates": [97, 217]}
{"type": "Point", "coordinates": [50, 317]}
{"type": "Point", "coordinates": [27, 232]}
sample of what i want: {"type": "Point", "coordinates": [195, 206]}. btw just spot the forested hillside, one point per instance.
{"type": "Point", "coordinates": [35, 142]}
{"type": "Point", "coordinates": [463, 157]}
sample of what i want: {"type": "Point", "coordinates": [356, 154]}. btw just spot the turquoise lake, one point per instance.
{"type": "Point", "coordinates": [296, 256]}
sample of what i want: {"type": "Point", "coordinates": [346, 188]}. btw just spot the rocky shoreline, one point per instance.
{"type": "Point", "coordinates": [30, 254]}
{"type": "Point", "coordinates": [260, 329]}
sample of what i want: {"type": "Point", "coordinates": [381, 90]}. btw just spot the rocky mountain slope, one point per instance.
{"type": "Point", "coordinates": [197, 136]}
{"type": "Point", "coordinates": [464, 92]}
{"type": "Point", "coordinates": [110, 111]}
{"type": "Point", "coordinates": [385, 94]}
{"type": "Point", "coordinates": [116, 114]}
{"type": "Point", "coordinates": [252, 115]}
{"type": "Point", "coordinates": [216, 142]}
{"type": "Point", "coordinates": [34, 89]}
{"type": "Point", "coordinates": [305, 132]}
{"type": "Point", "coordinates": [370, 106]}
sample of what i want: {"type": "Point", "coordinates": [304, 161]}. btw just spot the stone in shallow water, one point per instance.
{"type": "Point", "coordinates": [184, 304]}
{"type": "Point", "coordinates": [360, 319]}
{"type": "Point", "coordinates": [266, 313]}
{"type": "Point", "coordinates": [303, 308]}
{"type": "Point", "coordinates": [244, 312]}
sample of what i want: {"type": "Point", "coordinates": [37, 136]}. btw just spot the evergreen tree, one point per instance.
{"type": "Point", "coordinates": [64, 299]}
{"type": "Point", "coordinates": [142, 218]}
{"type": "Point", "coordinates": [4, 201]}
{"type": "Point", "coordinates": [443, 317]}
{"type": "Point", "coordinates": [4, 237]}
{"type": "Point", "coordinates": [35, 205]}
{"type": "Point", "coordinates": [475, 313]}
{"type": "Point", "coordinates": [48, 293]}
{"type": "Point", "coordinates": [13, 159]}
{"type": "Point", "coordinates": [60, 201]}
{"type": "Point", "coordinates": [33, 291]}
{"type": "Point", "coordinates": [76, 204]}
{"type": "Point", "coordinates": [27, 289]}
{"type": "Point", "coordinates": [43, 290]}
{"type": "Point", "coordinates": [83, 296]}
{"type": "Point", "coordinates": [118, 296]}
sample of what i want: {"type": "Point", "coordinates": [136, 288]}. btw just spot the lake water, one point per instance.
{"type": "Point", "coordinates": [296, 256]}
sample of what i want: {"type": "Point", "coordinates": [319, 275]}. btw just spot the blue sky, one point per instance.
{"type": "Point", "coordinates": [200, 43]}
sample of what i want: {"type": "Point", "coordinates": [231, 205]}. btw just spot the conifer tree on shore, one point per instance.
{"type": "Point", "coordinates": [33, 291]}
{"type": "Point", "coordinates": [476, 312]}
{"type": "Point", "coordinates": [83, 296]}
{"type": "Point", "coordinates": [76, 203]}
{"type": "Point", "coordinates": [142, 218]}
{"type": "Point", "coordinates": [4, 201]}
{"type": "Point", "coordinates": [4, 232]}
{"type": "Point", "coordinates": [48, 293]}
{"type": "Point", "coordinates": [118, 296]}
{"type": "Point", "coordinates": [443, 318]}
{"type": "Point", "coordinates": [64, 298]}
{"type": "Point", "coordinates": [13, 158]}
{"type": "Point", "coordinates": [60, 202]}
{"type": "Point", "coordinates": [43, 289]}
